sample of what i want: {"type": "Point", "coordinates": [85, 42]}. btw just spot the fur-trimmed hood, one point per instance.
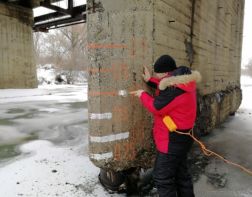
{"type": "Point", "coordinates": [180, 80]}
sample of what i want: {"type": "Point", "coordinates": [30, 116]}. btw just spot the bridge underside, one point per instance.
{"type": "Point", "coordinates": [60, 17]}
{"type": "Point", "coordinates": [17, 64]}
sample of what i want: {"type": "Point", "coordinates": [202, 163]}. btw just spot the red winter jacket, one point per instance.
{"type": "Point", "coordinates": [176, 97]}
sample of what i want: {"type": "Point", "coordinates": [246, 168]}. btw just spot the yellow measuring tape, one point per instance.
{"type": "Point", "coordinates": [170, 124]}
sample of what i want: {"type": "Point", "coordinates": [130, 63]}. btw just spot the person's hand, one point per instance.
{"type": "Point", "coordinates": [146, 74]}
{"type": "Point", "coordinates": [137, 93]}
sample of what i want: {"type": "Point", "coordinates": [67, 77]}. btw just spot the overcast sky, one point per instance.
{"type": "Point", "coordinates": [247, 30]}
{"type": "Point", "coordinates": [247, 33]}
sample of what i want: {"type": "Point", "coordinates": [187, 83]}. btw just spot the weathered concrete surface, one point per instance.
{"type": "Point", "coordinates": [120, 44]}
{"type": "Point", "coordinates": [217, 43]}
{"type": "Point", "coordinates": [125, 35]}
{"type": "Point", "coordinates": [172, 28]}
{"type": "Point", "coordinates": [214, 108]}
{"type": "Point", "coordinates": [17, 64]}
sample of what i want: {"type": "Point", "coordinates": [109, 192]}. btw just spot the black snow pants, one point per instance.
{"type": "Point", "coordinates": [170, 174]}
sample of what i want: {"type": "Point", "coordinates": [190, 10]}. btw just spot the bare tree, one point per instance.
{"type": "Point", "coordinates": [38, 39]}
{"type": "Point", "coordinates": [74, 41]}
{"type": "Point", "coordinates": [65, 48]}
{"type": "Point", "coordinates": [248, 69]}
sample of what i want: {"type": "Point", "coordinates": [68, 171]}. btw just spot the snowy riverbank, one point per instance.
{"type": "Point", "coordinates": [43, 143]}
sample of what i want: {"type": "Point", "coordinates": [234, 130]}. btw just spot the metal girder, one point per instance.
{"type": "Point", "coordinates": [27, 3]}
{"type": "Point", "coordinates": [61, 17]}
{"type": "Point", "coordinates": [76, 11]}
{"type": "Point", "coordinates": [60, 23]}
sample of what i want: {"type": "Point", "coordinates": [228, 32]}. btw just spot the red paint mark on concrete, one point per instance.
{"type": "Point", "coordinates": [106, 46]}
{"type": "Point", "coordinates": [98, 93]}
{"type": "Point", "coordinates": [99, 70]}
{"type": "Point", "coordinates": [127, 150]}
{"type": "Point", "coordinates": [117, 152]}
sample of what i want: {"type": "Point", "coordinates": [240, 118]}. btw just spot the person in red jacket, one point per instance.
{"type": "Point", "coordinates": [175, 98]}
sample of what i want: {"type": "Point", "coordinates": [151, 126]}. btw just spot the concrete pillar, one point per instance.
{"type": "Point", "coordinates": [124, 36]}
{"type": "Point", "coordinates": [120, 37]}
{"type": "Point", "coordinates": [17, 64]}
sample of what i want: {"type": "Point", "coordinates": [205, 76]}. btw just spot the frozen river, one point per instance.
{"type": "Point", "coordinates": [43, 143]}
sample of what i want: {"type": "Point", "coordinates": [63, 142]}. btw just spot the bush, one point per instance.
{"type": "Point", "coordinates": [248, 69]}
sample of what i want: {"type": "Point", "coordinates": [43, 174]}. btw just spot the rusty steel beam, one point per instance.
{"type": "Point", "coordinates": [60, 23]}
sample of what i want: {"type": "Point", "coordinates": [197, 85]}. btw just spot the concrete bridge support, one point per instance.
{"type": "Point", "coordinates": [17, 64]}
{"type": "Point", "coordinates": [124, 36]}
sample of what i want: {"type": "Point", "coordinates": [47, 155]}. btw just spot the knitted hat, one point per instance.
{"type": "Point", "coordinates": [164, 63]}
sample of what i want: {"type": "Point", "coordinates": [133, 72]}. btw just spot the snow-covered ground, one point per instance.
{"type": "Point", "coordinates": [246, 83]}
{"type": "Point", "coordinates": [47, 74]}
{"type": "Point", "coordinates": [59, 93]}
{"type": "Point", "coordinates": [233, 141]}
{"type": "Point", "coordinates": [44, 145]}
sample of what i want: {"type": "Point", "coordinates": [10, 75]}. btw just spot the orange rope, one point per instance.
{"type": "Point", "coordinates": [208, 152]}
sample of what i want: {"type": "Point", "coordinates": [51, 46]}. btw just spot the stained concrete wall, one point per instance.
{"type": "Point", "coordinates": [17, 64]}
{"type": "Point", "coordinates": [125, 35]}
{"type": "Point", "coordinates": [172, 29]}
{"type": "Point", "coordinates": [217, 42]}
{"type": "Point", "coordinates": [120, 37]}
